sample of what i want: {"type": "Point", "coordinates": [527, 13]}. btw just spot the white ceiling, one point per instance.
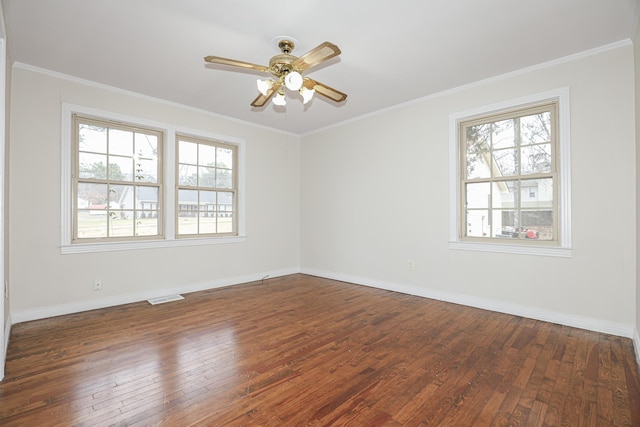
{"type": "Point", "coordinates": [392, 51]}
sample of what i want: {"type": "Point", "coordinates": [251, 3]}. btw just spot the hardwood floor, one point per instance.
{"type": "Point", "coordinates": [301, 350]}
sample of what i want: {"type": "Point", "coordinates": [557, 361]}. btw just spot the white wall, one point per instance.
{"type": "Point", "coordinates": [43, 282]}
{"type": "Point", "coordinates": [375, 194]}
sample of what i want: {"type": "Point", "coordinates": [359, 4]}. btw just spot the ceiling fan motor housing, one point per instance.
{"type": "Point", "coordinates": [281, 65]}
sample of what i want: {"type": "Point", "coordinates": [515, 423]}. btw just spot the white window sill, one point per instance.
{"type": "Point", "coordinates": [79, 248]}
{"type": "Point", "coordinates": [553, 251]}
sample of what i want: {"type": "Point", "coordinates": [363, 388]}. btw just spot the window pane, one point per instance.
{"type": "Point", "coordinates": [120, 223]}
{"type": "Point", "coordinates": [224, 158]}
{"type": "Point", "coordinates": [477, 223]}
{"type": "Point", "coordinates": [146, 145]}
{"type": "Point", "coordinates": [478, 152]}
{"type": "Point", "coordinates": [506, 162]}
{"type": "Point", "coordinates": [225, 202]}
{"type": "Point", "coordinates": [206, 155]}
{"type": "Point", "coordinates": [93, 196]}
{"type": "Point", "coordinates": [92, 224]}
{"type": "Point", "coordinates": [206, 177]}
{"type": "Point", "coordinates": [207, 200]}
{"type": "Point", "coordinates": [187, 175]}
{"type": "Point", "coordinates": [188, 152]}
{"type": "Point", "coordinates": [224, 178]}
{"type": "Point", "coordinates": [503, 134]}
{"type": "Point", "coordinates": [147, 225]}
{"type": "Point", "coordinates": [478, 195]}
{"type": "Point", "coordinates": [537, 224]}
{"type": "Point", "coordinates": [504, 223]}
{"type": "Point", "coordinates": [207, 222]}
{"type": "Point", "coordinates": [92, 166]}
{"type": "Point", "coordinates": [121, 197]}
{"type": "Point", "coordinates": [187, 224]}
{"type": "Point", "coordinates": [188, 202]}
{"type": "Point", "coordinates": [146, 170]}
{"type": "Point", "coordinates": [536, 158]}
{"type": "Point", "coordinates": [225, 223]}
{"type": "Point", "coordinates": [146, 198]}
{"type": "Point", "coordinates": [537, 193]}
{"type": "Point", "coordinates": [536, 128]}
{"type": "Point", "coordinates": [120, 142]}
{"type": "Point", "coordinates": [506, 196]}
{"type": "Point", "coordinates": [92, 138]}
{"type": "Point", "coordinates": [120, 168]}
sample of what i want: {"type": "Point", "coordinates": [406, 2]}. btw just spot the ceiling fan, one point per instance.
{"type": "Point", "coordinates": [287, 70]}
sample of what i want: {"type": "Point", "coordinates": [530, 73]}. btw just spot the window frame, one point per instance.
{"type": "Point", "coordinates": [561, 247]}
{"type": "Point", "coordinates": [168, 196]}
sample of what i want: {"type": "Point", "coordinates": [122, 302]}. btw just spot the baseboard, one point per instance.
{"type": "Point", "coordinates": [636, 345]}
{"type": "Point", "coordinates": [581, 322]}
{"type": "Point", "coordinates": [62, 309]}
{"type": "Point", "coordinates": [5, 348]}
{"type": "Point", "coordinates": [7, 333]}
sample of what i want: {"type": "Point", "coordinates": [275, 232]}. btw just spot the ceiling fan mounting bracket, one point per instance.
{"type": "Point", "coordinates": [286, 46]}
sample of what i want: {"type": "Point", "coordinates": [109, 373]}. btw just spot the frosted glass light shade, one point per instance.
{"type": "Point", "coordinates": [307, 94]}
{"type": "Point", "coordinates": [293, 80]}
{"type": "Point", "coordinates": [279, 99]}
{"type": "Point", "coordinates": [264, 86]}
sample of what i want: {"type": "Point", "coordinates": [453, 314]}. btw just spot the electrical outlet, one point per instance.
{"type": "Point", "coordinates": [97, 285]}
{"type": "Point", "coordinates": [410, 265]}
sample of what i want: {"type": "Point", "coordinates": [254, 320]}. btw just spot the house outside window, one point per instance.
{"type": "Point", "coordinates": [117, 181]}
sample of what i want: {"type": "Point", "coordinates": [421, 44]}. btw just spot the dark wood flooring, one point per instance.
{"type": "Point", "coordinates": [301, 350]}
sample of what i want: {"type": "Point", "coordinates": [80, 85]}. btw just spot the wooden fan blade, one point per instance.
{"type": "Point", "coordinates": [235, 63]}
{"type": "Point", "coordinates": [316, 56]}
{"type": "Point", "coordinates": [263, 99]}
{"type": "Point", "coordinates": [324, 90]}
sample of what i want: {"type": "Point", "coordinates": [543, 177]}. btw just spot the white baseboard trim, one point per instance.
{"type": "Point", "coordinates": [7, 333]}
{"type": "Point", "coordinates": [62, 309]}
{"type": "Point", "coordinates": [581, 322]}
{"type": "Point", "coordinates": [636, 345]}
{"type": "Point", "coordinates": [5, 348]}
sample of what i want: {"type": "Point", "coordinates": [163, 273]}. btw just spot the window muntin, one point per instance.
{"type": "Point", "coordinates": [117, 187]}
{"type": "Point", "coordinates": [509, 182]}
{"type": "Point", "coordinates": [206, 184]}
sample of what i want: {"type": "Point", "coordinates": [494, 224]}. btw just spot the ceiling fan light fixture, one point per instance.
{"type": "Point", "coordinates": [293, 80]}
{"type": "Point", "coordinates": [279, 99]}
{"type": "Point", "coordinates": [264, 86]}
{"type": "Point", "coordinates": [307, 94]}
{"type": "Point", "coordinates": [286, 73]}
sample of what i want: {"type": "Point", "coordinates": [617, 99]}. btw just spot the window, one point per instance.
{"type": "Point", "coordinates": [206, 187]}
{"type": "Point", "coordinates": [116, 185]}
{"type": "Point", "coordinates": [508, 159]}
{"type": "Point", "coordinates": [511, 166]}
{"type": "Point", "coordinates": [134, 183]}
